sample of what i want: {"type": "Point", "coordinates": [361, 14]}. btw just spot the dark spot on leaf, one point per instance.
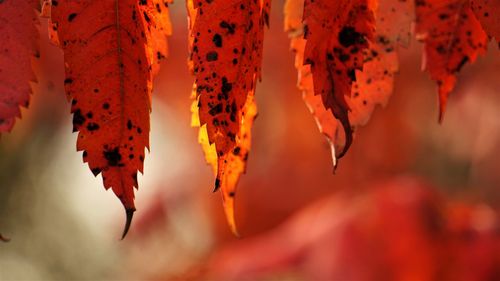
{"type": "Point", "coordinates": [92, 127]}
{"type": "Point", "coordinates": [216, 109]}
{"type": "Point", "coordinates": [217, 39]}
{"type": "Point", "coordinates": [348, 36]}
{"type": "Point", "coordinates": [113, 157]}
{"type": "Point", "coordinates": [78, 119]}
{"type": "Point", "coordinates": [71, 17]}
{"type": "Point", "coordinates": [229, 26]}
{"type": "Point", "coordinates": [212, 56]}
{"type": "Point", "coordinates": [226, 86]}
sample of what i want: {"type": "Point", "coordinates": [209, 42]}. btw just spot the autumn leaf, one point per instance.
{"type": "Point", "coordinates": [225, 56]}
{"type": "Point", "coordinates": [111, 51]}
{"type": "Point", "coordinates": [19, 35]}
{"type": "Point", "coordinates": [453, 37]}
{"type": "Point", "coordinates": [372, 84]}
{"type": "Point", "coordinates": [327, 124]}
{"type": "Point", "coordinates": [487, 12]}
{"type": "Point", "coordinates": [337, 32]}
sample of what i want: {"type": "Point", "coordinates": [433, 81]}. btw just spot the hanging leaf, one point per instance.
{"type": "Point", "coordinates": [111, 52]}
{"type": "Point", "coordinates": [487, 12]}
{"type": "Point", "coordinates": [453, 37]}
{"type": "Point", "coordinates": [337, 32]}
{"type": "Point", "coordinates": [335, 64]}
{"type": "Point", "coordinates": [225, 56]}
{"type": "Point", "coordinates": [19, 35]}
{"type": "Point", "coordinates": [327, 124]}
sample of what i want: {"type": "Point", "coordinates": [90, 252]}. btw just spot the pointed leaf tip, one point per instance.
{"type": "Point", "coordinates": [129, 214]}
{"type": "Point", "coordinates": [228, 202]}
{"type": "Point", "coordinates": [440, 118]}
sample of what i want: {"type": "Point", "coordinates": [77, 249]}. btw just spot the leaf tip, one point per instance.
{"type": "Point", "coordinates": [442, 105]}
{"type": "Point", "coordinates": [228, 200]}
{"type": "Point", "coordinates": [129, 213]}
{"type": "Point", "coordinates": [442, 109]}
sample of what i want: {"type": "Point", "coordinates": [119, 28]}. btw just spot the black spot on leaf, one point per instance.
{"type": "Point", "coordinates": [212, 56]}
{"type": "Point", "coordinates": [113, 157]}
{"type": "Point", "coordinates": [348, 36]}
{"type": "Point", "coordinates": [71, 17]}
{"type": "Point", "coordinates": [217, 39]}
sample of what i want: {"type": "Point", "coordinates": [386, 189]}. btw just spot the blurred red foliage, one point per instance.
{"type": "Point", "coordinates": [400, 230]}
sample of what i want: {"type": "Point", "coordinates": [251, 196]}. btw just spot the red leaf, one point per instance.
{"type": "Point", "coordinates": [452, 36]}
{"type": "Point", "coordinates": [226, 52]}
{"type": "Point", "coordinates": [18, 35]}
{"type": "Point", "coordinates": [111, 52]}
{"type": "Point", "coordinates": [337, 32]}
{"type": "Point", "coordinates": [373, 84]}
{"type": "Point", "coordinates": [487, 12]}
{"type": "Point", "coordinates": [327, 124]}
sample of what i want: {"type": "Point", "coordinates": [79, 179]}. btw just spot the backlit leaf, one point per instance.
{"type": "Point", "coordinates": [111, 53]}
{"type": "Point", "coordinates": [226, 51]}
{"type": "Point", "coordinates": [337, 32]}
{"type": "Point", "coordinates": [453, 37]}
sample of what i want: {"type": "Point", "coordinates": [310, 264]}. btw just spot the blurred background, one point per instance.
{"type": "Point", "coordinates": [412, 200]}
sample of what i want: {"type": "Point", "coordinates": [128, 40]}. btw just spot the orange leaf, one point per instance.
{"type": "Point", "coordinates": [337, 32]}
{"type": "Point", "coordinates": [453, 36]}
{"type": "Point", "coordinates": [226, 51]}
{"type": "Point", "coordinates": [111, 52]}
{"type": "Point", "coordinates": [18, 35]}
{"type": "Point", "coordinates": [334, 62]}
{"type": "Point", "coordinates": [327, 124]}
